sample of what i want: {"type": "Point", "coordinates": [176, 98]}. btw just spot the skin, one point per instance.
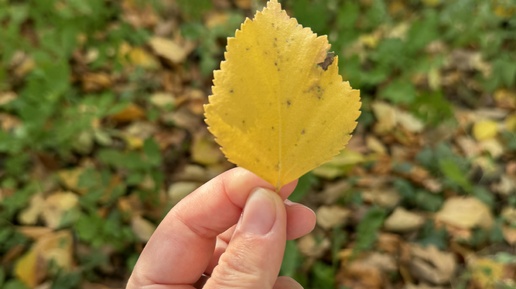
{"type": "Point", "coordinates": [232, 229]}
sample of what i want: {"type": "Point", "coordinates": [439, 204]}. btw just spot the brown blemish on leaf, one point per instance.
{"type": "Point", "coordinates": [330, 56]}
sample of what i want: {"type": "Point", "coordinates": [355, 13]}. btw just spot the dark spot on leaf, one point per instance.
{"type": "Point", "coordinates": [303, 131]}
{"type": "Point", "coordinates": [289, 103]}
{"type": "Point", "coordinates": [330, 56]}
{"type": "Point", "coordinates": [231, 91]}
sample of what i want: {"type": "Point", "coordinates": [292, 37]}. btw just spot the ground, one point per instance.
{"type": "Point", "coordinates": [102, 132]}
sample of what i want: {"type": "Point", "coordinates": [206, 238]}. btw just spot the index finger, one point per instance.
{"type": "Point", "coordinates": [181, 247]}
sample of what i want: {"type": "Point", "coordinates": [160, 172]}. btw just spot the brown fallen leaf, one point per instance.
{"type": "Point", "coordinates": [6, 97]}
{"type": "Point", "coordinates": [97, 81]}
{"type": "Point", "coordinates": [163, 100]}
{"type": "Point", "coordinates": [431, 265]}
{"type": "Point", "coordinates": [142, 228]}
{"type": "Point", "coordinates": [130, 113]}
{"type": "Point", "coordinates": [388, 242]}
{"type": "Point", "coordinates": [505, 98]}
{"type": "Point", "coordinates": [33, 232]}
{"type": "Point", "coordinates": [139, 14]}
{"type": "Point", "coordinates": [243, 4]}
{"type": "Point", "coordinates": [332, 216]}
{"type": "Point", "coordinates": [312, 247]}
{"type": "Point", "coordinates": [168, 49]}
{"type": "Point", "coordinates": [56, 206]}
{"type": "Point", "coordinates": [386, 117]}
{"type": "Point", "coordinates": [30, 214]}
{"type": "Point", "coordinates": [361, 275]}
{"type": "Point", "coordinates": [22, 64]}
{"type": "Point", "coordinates": [402, 220]}
{"type": "Point", "coordinates": [368, 271]}
{"type": "Point", "coordinates": [386, 198]}
{"type": "Point", "coordinates": [465, 213]}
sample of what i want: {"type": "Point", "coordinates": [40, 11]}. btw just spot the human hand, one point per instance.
{"type": "Point", "coordinates": [233, 229]}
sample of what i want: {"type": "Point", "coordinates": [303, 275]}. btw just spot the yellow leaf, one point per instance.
{"type": "Point", "coordinates": [279, 107]}
{"type": "Point", "coordinates": [485, 129]}
{"type": "Point", "coordinates": [25, 269]}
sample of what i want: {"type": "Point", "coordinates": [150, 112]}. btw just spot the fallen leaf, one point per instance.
{"type": "Point", "coordinates": [30, 214]}
{"type": "Point", "coordinates": [402, 220]}
{"type": "Point", "coordinates": [375, 145]}
{"type": "Point", "coordinates": [9, 122]}
{"type": "Point", "coordinates": [485, 129]}
{"type": "Point", "coordinates": [26, 269]}
{"type": "Point", "coordinates": [70, 179]}
{"type": "Point", "coordinates": [510, 123]}
{"type": "Point", "coordinates": [505, 186]}
{"type": "Point", "coordinates": [24, 64]}
{"type": "Point", "coordinates": [139, 14]}
{"type": "Point", "coordinates": [331, 216]}
{"type": "Point", "coordinates": [386, 198]}
{"type": "Point", "coordinates": [168, 49]}
{"type": "Point", "coordinates": [468, 145]}
{"type": "Point", "coordinates": [485, 273]}
{"type": "Point", "coordinates": [204, 150]}
{"type": "Point", "coordinates": [34, 232]}
{"type": "Point", "coordinates": [505, 98]}
{"type": "Point", "coordinates": [7, 97]}
{"type": "Point", "coordinates": [509, 234]}
{"type": "Point", "coordinates": [55, 247]}
{"type": "Point", "coordinates": [56, 206]}
{"type": "Point", "coordinates": [142, 228]}
{"type": "Point", "coordinates": [339, 165]}
{"type": "Point", "coordinates": [465, 213]}
{"type": "Point", "coordinates": [130, 113]}
{"type": "Point", "coordinates": [360, 275]}
{"type": "Point", "coordinates": [96, 81]}
{"type": "Point", "coordinates": [409, 121]}
{"type": "Point", "coordinates": [163, 100]}
{"type": "Point", "coordinates": [493, 146]}
{"type": "Point", "coordinates": [385, 115]}
{"type": "Point", "coordinates": [140, 57]}
{"type": "Point", "coordinates": [389, 243]}
{"type": "Point", "coordinates": [274, 110]}
{"type": "Point", "coordinates": [431, 265]}
{"type": "Point", "coordinates": [509, 216]}
{"type": "Point", "coordinates": [312, 247]}
{"type": "Point", "coordinates": [243, 4]}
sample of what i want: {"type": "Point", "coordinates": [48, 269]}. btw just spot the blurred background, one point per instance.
{"type": "Point", "coordinates": [102, 132]}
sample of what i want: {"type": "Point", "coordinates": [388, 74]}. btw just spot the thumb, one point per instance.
{"type": "Point", "coordinates": [254, 254]}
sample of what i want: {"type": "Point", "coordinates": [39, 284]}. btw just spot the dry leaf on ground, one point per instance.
{"type": "Point", "coordinates": [431, 265]}
{"type": "Point", "coordinates": [402, 220]}
{"type": "Point", "coordinates": [465, 213]}
{"type": "Point", "coordinates": [332, 216]}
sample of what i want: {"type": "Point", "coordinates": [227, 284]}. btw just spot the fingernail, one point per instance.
{"type": "Point", "coordinates": [289, 203]}
{"type": "Point", "coordinates": [259, 212]}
